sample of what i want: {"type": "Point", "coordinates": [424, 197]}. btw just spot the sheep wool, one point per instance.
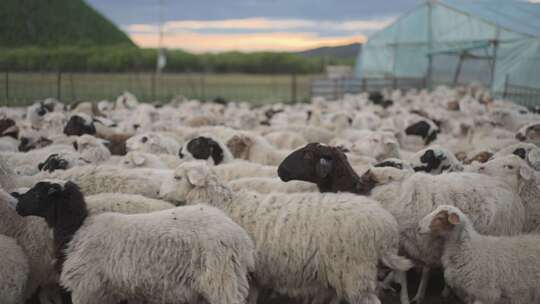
{"type": "Point", "coordinates": [168, 256]}
{"type": "Point", "coordinates": [486, 269]}
{"type": "Point", "coordinates": [14, 271]}
{"type": "Point", "coordinates": [338, 255]}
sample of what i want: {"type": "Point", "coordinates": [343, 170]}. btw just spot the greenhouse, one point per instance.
{"type": "Point", "coordinates": [494, 42]}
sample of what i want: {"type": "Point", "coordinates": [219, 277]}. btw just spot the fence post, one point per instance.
{"type": "Point", "coordinates": [364, 84]}
{"type": "Point", "coordinates": [59, 85]}
{"type": "Point", "coordinates": [7, 87]}
{"type": "Point", "coordinates": [153, 86]}
{"type": "Point", "coordinates": [293, 88]}
{"type": "Point", "coordinates": [394, 83]}
{"type": "Point", "coordinates": [203, 86]}
{"type": "Point", "coordinates": [505, 86]}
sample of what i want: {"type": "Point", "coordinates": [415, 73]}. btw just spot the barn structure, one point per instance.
{"type": "Point", "coordinates": [494, 42]}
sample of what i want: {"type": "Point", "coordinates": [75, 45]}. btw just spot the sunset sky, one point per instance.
{"type": "Point", "coordinates": [252, 25]}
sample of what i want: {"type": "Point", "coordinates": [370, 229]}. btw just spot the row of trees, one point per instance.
{"type": "Point", "coordinates": [129, 59]}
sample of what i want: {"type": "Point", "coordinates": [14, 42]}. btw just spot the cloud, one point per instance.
{"type": "Point", "coordinates": [255, 34]}
{"type": "Point", "coordinates": [276, 41]}
{"type": "Point", "coordinates": [263, 24]}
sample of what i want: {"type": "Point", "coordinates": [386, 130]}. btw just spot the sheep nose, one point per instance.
{"type": "Point", "coordinates": [136, 126]}
{"type": "Point", "coordinates": [418, 229]}
{"type": "Point", "coordinates": [520, 137]}
{"type": "Point", "coordinates": [481, 169]}
{"type": "Point", "coordinates": [284, 174]}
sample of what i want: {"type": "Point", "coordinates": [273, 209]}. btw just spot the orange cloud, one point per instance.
{"type": "Point", "coordinates": [275, 41]}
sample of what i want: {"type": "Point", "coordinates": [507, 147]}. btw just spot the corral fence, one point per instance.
{"type": "Point", "coordinates": [23, 88]}
{"type": "Point", "coordinates": [334, 89]}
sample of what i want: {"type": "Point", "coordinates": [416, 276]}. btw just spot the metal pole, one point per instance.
{"type": "Point", "coordinates": [458, 69]}
{"type": "Point", "coordinates": [506, 80]}
{"type": "Point", "coordinates": [153, 84]}
{"type": "Point", "coordinates": [430, 44]}
{"type": "Point", "coordinates": [494, 60]}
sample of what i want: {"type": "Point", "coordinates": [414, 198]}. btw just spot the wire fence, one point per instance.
{"type": "Point", "coordinates": [17, 88]}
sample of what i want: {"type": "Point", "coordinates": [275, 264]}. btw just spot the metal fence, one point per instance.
{"type": "Point", "coordinates": [333, 89]}
{"type": "Point", "coordinates": [24, 88]}
{"type": "Point", "coordinates": [525, 96]}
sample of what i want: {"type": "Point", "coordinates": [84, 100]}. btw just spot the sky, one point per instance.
{"type": "Point", "coordinates": [251, 25]}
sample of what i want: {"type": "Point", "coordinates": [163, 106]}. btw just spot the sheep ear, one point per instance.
{"type": "Point", "coordinates": [525, 173]}
{"type": "Point", "coordinates": [453, 218]}
{"type": "Point", "coordinates": [196, 177]}
{"type": "Point", "coordinates": [324, 167]}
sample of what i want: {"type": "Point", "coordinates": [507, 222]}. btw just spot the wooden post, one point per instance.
{"type": "Point", "coordinates": [293, 88]}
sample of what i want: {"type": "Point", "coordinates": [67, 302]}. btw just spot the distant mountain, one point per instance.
{"type": "Point", "coordinates": [338, 52]}
{"type": "Point", "coordinates": [51, 23]}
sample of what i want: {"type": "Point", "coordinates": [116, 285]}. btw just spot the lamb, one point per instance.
{"type": "Point", "coordinates": [184, 254]}
{"type": "Point", "coordinates": [205, 148]}
{"type": "Point", "coordinates": [152, 142]}
{"type": "Point", "coordinates": [480, 268]}
{"type": "Point", "coordinates": [92, 149]}
{"type": "Point", "coordinates": [255, 148]}
{"type": "Point", "coordinates": [295, 257]}
{"type": "Point", "coordinates": [435, 160]}
{"type": "Point", "coordinates": [523, 179]}
{"type": "Point", "coordinates": [14, 271]}
{"type": "Point", "coordinates": [269, 185]}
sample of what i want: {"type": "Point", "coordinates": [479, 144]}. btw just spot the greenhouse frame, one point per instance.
{"type": "Point", "coordinates": [452, 42]}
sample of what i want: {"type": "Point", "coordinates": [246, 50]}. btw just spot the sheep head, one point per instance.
{"type": "Point", "coordinates": [53, 200]}
{"type": "Point", "coordinates": [78, 125]}
{"type": "Point", "coordinates": [443, 221]}
{"type": "Point", "coordinates": [240, 146]}
{"type": "Point", "coordinates": [510, 168]}
{"type": "Point", "coordinates": [323, 165]}
{"type": "Point", "coordinates": [202, 148]}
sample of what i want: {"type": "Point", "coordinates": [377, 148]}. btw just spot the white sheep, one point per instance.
{"type": "Point", "coordinates": [524, 180]}
{"type": "Point", "coordinates": [183, 254]}
{"type": "Point", "coordinates": [14, 271]}
{"type": "Point", "coordinates": [492, 205]}
{"type": "Point", "coordinates": [527, 151]}
{"type": "Point", "coordinates": [269, 185]}
{"type": "Point", "coordinates": [338, 255]}
{"type": "Point", "coordinates": [485, 269]}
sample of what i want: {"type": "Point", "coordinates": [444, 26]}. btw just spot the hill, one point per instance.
{"type": "Point", "coordinates": [53, 23]}
{"type": "Point", "coordinates": [338, 52]}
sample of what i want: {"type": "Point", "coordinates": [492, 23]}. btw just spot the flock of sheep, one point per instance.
{"type": "Point", "coordinates": [365, 198]}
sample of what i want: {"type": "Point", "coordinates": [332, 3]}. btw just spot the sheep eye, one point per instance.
{"type": "Point", "coordinates": [510, 167]}
{"type": "Point", "coordinates": [178, 178]}
{"type": "Point", "coordinates": [144, 139]}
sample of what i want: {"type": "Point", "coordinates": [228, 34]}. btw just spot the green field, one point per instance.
{"type": "Point", "coordinates": [24, 88]}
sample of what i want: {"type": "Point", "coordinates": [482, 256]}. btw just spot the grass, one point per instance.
{"type": "Point", "coordinates": [25, 88]}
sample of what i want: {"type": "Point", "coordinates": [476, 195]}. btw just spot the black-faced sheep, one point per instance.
{"type": "Point", "coordinates": [184, 254]}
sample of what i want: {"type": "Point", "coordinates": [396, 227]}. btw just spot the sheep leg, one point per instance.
{"type": "Point", "coordinates": [385, 284]}
{"type": "Point", "coordinates": [421, 292]}
{"type": "Point", "coordinates": [253, 295]}
{"type": "Point", "coordinates": [404, 292]}
{"type": "Point", "coordinates": [446, 291]}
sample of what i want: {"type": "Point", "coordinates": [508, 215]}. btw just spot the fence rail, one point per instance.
{"type": "Point", "coordinates": [333, 89]}
{"type": "Point", "coordinates": [23, 88]}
